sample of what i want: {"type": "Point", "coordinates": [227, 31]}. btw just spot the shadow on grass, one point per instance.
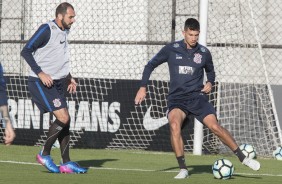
{"type": "Point", "coordinates": [194, 169]}
{"type": "Point", "coordinates": [249, 176]}
{"type": "Point", "coordinates": [200, 169]}
{"type": "Point", "coordinates": [94, 163]}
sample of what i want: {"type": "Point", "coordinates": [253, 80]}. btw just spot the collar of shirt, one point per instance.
{"type": "Point", "coordinates": [193, 50]}
{"type": "Point", "coordinates": [59, 26]}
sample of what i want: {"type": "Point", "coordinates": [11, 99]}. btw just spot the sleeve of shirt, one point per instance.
{"type": "Point", "coordinates": [157, 60]}
{"type": "Point", "coordinates": [39, 39]}
{"type": "Point", "coordinates": [209, 68]}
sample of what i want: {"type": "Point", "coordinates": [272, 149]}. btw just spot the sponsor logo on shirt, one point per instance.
{"type": "Point", "coordinates": [197, 58]}
{"type": "Point", "coordinates": [178, 56]}
{"type": "Point", "coordinates": [186, 70]}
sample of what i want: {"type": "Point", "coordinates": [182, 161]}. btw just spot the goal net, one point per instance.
{"type": "Point", "coordinates": [243, 50]}
{"type": "Point", "coordinates": [110, 43]}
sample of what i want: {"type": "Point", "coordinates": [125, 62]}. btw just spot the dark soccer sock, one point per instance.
{"type": "Point", "coordinates": [181, 162]}
{"type": "Point", "coordinates": [64, 139]}
{"type": "Point", "coordinates": [239, 154]}
{"type": "Point", "coordinates": [52, 136]}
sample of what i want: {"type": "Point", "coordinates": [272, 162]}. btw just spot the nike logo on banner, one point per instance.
{"type": "Point", "coordinates": [150, 123]}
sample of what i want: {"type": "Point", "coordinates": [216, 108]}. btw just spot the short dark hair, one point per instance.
{"type": "Point", "coordinates": [192, 24]}
{"type": "Point", "coordinates": [62, 8]}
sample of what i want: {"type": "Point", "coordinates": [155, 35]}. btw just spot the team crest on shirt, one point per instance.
{"type": "Point", "coordinates": [57, 102]}
{"type": "Point", "coordinates": [197, 58]}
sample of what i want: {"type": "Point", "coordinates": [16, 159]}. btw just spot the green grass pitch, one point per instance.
{"type": "Point", "coordinates": [18, 165]}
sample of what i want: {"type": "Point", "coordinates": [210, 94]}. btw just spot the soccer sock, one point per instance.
{"type": "Point", "coordinates": [239, 154]}
{"type": "Point", "coordinates": [52, 136]}
{"type": "Point", "coordinates": [181, 162]}
{"type": "Point", "coordinates": [64, 139]}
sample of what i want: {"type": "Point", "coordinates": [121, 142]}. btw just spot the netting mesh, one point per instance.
{"type": "Point", "coordinates": [110, 43]}
{"type": "Point", "coordinates": [243, 61]}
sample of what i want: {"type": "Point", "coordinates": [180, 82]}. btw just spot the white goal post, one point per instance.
{"type": "Point", "coordinates": [198, 127]}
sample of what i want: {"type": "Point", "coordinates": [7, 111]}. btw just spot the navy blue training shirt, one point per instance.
{"type": "Point", "coordinates": [186, 68]}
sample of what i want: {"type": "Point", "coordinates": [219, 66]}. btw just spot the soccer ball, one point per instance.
{"type": "Point", "coordinates": [248, 150]}
{"type": "Point", "coordinates": [278, 153]}
{"type": "Point", "coordinates": [56, 144]}
{"type": "Point", "coordinates": [222, 169]}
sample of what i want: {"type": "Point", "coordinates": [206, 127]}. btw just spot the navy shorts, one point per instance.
{"type": "Point", "coordinates": [199, 106]}
{"type": "Point", "coordinates": [3, 92]}
{"type": "Point", "coordinates": [47, 99]}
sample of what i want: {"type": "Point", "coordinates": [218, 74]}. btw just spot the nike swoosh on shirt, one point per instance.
{"type": "Point", "coordinates": [150, 123]}
{"type": "Point", "coordinates": [61, 42]}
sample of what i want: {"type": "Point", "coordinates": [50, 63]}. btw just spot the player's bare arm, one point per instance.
{"type": "Point", "coordinates": [207, 88]}
{"type": "Point", "coordinates": [140, 96]}
{"type": "Point", "coordinates": [45, 79]}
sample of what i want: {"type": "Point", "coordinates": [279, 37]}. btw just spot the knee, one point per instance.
{"type": "Point", "coordinates": [217, 129]}
{"type": "Point", "coordinates": [65, 119]}
{"type": "Point", "coordinates": [175, 127]}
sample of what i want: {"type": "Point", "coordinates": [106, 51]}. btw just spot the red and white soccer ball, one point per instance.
{"type": "Point", "coordinates": [248, 150]}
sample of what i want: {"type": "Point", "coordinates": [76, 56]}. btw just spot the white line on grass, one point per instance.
{"type": "Point", "coordinates": [139, 170]}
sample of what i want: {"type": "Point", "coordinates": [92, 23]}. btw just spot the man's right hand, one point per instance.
{"type": "Point", "coordinates": [45, 79]}
{"type": "Point", "coordinates": [140, 96]}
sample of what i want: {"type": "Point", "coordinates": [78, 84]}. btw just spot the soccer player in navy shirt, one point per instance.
{"type": "Point", "coordinates": [47, 54]}
{"type": "Point", "coordinates": [4, 111]}
{"type": "Point", "coordinates": [187, 60]}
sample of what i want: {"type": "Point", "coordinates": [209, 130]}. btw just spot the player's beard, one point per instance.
{"type": "Point", "coordinates": [191, 44]}
{"type": "Point", "coordinates": [65, 25]}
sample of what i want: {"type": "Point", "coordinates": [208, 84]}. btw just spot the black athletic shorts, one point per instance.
{"type": "Point", "coordinates": [47, 99]}
{"type": "Point", "coordinates": [198, 106]}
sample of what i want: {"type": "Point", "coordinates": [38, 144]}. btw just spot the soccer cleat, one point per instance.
{"type": "Point", "coordinates": [72, 167]}
{"type": "Point", "coordinates": [251, 163]}
{"type": "Point", "coordinates": [47, 162]}
{"type": "Point", "coordinates": [183, 173]}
